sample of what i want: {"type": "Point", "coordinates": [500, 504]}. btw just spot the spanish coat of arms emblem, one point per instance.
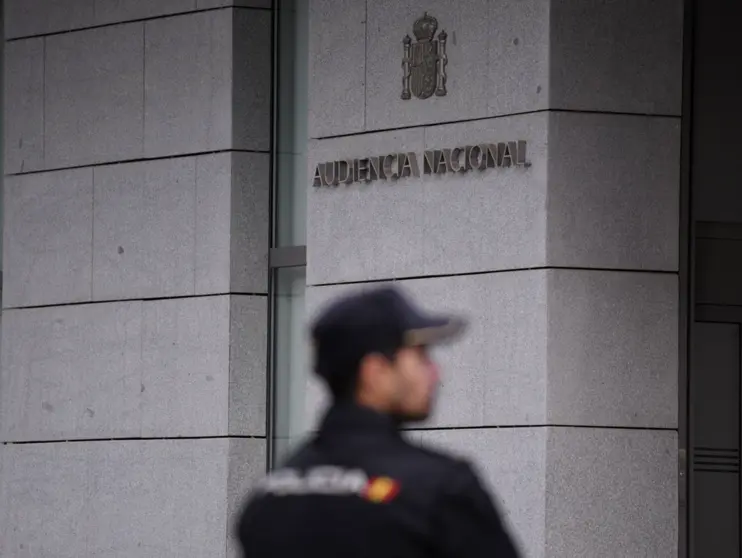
{"type": "Point", "coordinates": [425, 61]}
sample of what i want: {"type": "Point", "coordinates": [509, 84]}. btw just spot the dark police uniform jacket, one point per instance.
{"type": "Point", "coordinates": [358, 489]}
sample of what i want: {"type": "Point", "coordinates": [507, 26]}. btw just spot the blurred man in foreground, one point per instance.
{"type": "Point", "coordinates": [358, 489]}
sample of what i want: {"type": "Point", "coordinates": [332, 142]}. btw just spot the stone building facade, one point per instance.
{"type": "Point", "coordinates": [186, 182]}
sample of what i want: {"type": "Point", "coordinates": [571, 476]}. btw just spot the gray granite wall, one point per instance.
{"type": "Point", "coordinates": [132, 383]}
{"type": "Point", "coordinates": [565, 391]}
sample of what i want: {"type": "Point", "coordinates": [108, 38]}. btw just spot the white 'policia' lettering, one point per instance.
{"type": "Point", "coordinates": [325, 480]}
{"type": "Point", "coordinates": [394, 166]}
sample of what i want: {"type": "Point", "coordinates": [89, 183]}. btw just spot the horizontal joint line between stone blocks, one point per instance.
{"type": "Point", "coordinates": [526, 426]}
{"type": "Point", "coordinates": [496, 117]}
{"type": "Point", "coordinates": [493, 272]}
{"type": "Point", "coordinates": [142, 439]}
{"type": "Point", "coordinates": [139, 160]}
{"type": "Point", "coordinates": [150, 299]}
{"type": "Point", "coordinates": [137, 20]}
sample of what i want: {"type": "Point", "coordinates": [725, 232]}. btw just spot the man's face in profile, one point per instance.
{"type": "Point", "coordinates": [414, 384]}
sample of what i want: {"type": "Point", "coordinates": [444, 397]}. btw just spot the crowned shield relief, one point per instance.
{"type": "Point", "coordinates": [424, 61]}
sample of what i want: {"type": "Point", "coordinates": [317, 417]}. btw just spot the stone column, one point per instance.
{"type": "Point", "coordinates": [565, 390]}
{"type": "Point", "coordinates": [132, 386]}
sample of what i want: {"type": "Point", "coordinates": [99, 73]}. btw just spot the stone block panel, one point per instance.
{"type": "Point", "coordinates": [249, 223]}
{"type": "Point", "coordinates": [614, 191]}
{"type": "Point", "coordinates": [496, 374]}
{"type": "Point", "coordinates": [207, 82]}
{"type": "Point", "coordinates": [248, 366]}
{"type": "Point", "coordinates": [603, 192]}
{"type": "Point", "coordinates": [48, 238]}
{"type": "Point", "coordinates": [497, 60]}
{"type": "Point", "coordinates": [144, 229]}
{"type": "Point", "coordinates": [467, 25]}
{"type": "Point", "coordinates": [611, 493]}
{"type": "Point", "coordinates": [39, 17]}
{"type": "Point", "coordinates": [436, 224]}
{"type": "Point", "coordinates": [377, 228]}
{"type": "Point", "coordinates": [497, 63]}
{"type": "Point", "coordinates": [117, 11]}
{"type": "Point", "coordinates": [186, 367]}
{"type": "Point", "coordinates": [93, 96]}
{"type": "Point", "coordinates": [174, 227]}
{"type": "Point", "coordinates": [214, 185]}
{"type": "Point", "coordinates": [616, 56]}
{"type": "Point", "coordinates": [136, 498]}
{"type": "Point", "coordinates": [251, 79]}
{"type": "Point", "coordinates": [206, 4]}
{"type": "Point", "coordinates": [24, 18]}
{"type": "Point", "coordinates": [71, 372]}
{"type": "Point", "coordinates": [24, 106]}
{"type": "Point", "coordinates": [613, 349]}
{"type": "Point", "coordinates": [337, 67]}
{"type": "Point", "coordinates": [188, 84]}
{"type": "Point", "coordinates": [180, 227]}
{"type": "Point", "coordinates": [491, 220]}
{"type": "Point", "coordinates": [518, 57]}
{"type": "Point", "coordinates": [503, 57]}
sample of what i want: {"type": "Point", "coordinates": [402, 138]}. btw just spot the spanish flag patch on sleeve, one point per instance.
{"type": "Point", "coordinates": [381, 490]}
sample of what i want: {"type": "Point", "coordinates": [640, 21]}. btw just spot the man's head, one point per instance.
{"type": "Point", "coordinates": [374, 348]}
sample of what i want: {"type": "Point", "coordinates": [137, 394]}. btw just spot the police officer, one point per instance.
{"type": "Point", "coordinates": [358, 488]}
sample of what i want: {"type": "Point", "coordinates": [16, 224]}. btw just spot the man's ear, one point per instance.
{"type": "Point", "coordinates": [371, 371]}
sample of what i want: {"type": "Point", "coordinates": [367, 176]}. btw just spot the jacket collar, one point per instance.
{"type": "Point", "coordinates": [352, 418]}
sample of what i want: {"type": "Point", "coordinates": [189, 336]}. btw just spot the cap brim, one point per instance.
{"type": "Point", "coordinates": [436, 331]}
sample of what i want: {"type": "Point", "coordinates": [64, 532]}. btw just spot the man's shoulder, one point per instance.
{"type": "Point", "coordinates": [444, 463]}
{"type": "Point", "coordinates": [433, 456]}
{"type": "Point", "coordinates": [308, 452]}
{"type": "Point", "coordinates": [430, 466]}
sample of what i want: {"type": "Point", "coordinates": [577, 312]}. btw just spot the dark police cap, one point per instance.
{"type": "Point", "coordinates": [382, 321]}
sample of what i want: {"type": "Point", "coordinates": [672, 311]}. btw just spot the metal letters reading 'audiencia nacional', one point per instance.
{"type": "Point", "coordinates": [425, 61]}
{"type": "Point", "coordinates": [424, 66]}
{"type": "Point", "coordinates": [434, 161]}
